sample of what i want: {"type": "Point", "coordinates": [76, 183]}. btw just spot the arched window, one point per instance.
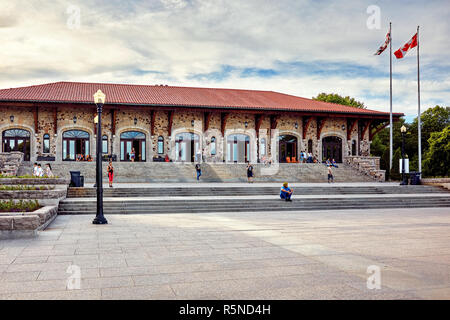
{"type": "Point", "coordinates": [105, 144]}
{"type": "Point", "coordinates": [160, 145]}
{"type": "Point", "coordinates": [213, 146]}
{"type": "Point", "coordinates": [263, 147]}
{"type": "Point", "coordinates": [17, 140]}
{"type": "Point", "coordinates": [238, 148]}
{"type": "Point", "coordinates": [132, 146]}
{"type": "Point", "coordinates": [310, 146]}
{"type": "Point", "coordinates": [46, 143]}
{"type": "Point", "coordinates": [75, 142]}
{"type": "Point", "coordinates": [187, 147]}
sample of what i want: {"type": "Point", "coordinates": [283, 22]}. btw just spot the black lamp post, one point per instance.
{"type": "Point", "coordinates": [404, 182]}
{"type": "Point", "coordinates": [99, 99]}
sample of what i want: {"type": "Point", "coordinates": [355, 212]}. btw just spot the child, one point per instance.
{"type": "Point", "coordinates": [35, 169]}
{"type": "Point", "coordinates": [40, 171]}
{"type": "Point", "coordinates": [286, 192]}
{"type": "Point", "coordinates": [48, 170]}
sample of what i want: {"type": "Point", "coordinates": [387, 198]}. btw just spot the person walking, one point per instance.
{"type": "Point", "coordinates": [286, 192]}
{"type": "Point", "coordinates": [249, 172]}
{"type": "Point", "coordinates": [198, 169]}
{"type": "Point", "coordinates": [110, 171]}
{"type": "Point", "coordinates": [330, 174]}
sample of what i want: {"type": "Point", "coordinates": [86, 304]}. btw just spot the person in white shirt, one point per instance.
{"type": "Point", "coordinates": [48, 170]}
{"type": "Point", "coordinates": [40, 171]}
{"type": "Point", "coordinates": [35, 170]}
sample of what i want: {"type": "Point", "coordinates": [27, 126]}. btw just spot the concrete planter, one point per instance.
{"type": "Point", "coordinates": [26, 224]}
{"type": "Point", "coordinates": [56, 193]}
{"type": "Point", "coordinates": [33, 181]}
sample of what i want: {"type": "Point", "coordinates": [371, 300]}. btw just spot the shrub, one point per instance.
{"type": "Point", "coordinates": [19, 206]}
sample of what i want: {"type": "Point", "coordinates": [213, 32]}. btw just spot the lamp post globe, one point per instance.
{"type": "Point", "coordinates": [99, 100]}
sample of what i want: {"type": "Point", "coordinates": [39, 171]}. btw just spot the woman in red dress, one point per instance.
{"type": "Point", "coordinates": [110, 171]}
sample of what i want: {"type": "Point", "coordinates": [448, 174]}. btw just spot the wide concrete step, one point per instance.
{"type": "Point", "coordinates": [237, 191]}
{"type": "Point", "coordinates": [249, 205]}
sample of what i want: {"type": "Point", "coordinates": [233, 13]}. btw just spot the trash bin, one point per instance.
{"type": "Point", "coordinates": [76, 180]}
{"type": "Point", "coordinates": [414, 178]}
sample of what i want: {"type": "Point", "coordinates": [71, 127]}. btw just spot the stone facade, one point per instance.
{"type": "Point", "coordinates": [139, 119]}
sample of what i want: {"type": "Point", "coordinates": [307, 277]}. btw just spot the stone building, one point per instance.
{"type": "Point", "coordinates": [55, 122]}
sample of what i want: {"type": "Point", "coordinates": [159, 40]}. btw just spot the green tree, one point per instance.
{"type": "Point", "coordinates": [437, 158]}
{"type": "Point", "coordinates": [336, 98]}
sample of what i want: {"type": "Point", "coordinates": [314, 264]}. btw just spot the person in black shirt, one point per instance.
{"type": "Point", "coordinates": [110, 171]}
{"type": "Point", "coordinates": [249, 172]}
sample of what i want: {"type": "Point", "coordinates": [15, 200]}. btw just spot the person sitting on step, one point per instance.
{"type": "Point", "coordinates": [286, 192]}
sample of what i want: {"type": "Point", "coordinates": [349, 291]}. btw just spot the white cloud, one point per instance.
{"type": "Point", "coordinates": [168, 41]}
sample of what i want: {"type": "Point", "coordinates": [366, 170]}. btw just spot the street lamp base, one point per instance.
{"type": "Point", "coordinates": [100, 220]}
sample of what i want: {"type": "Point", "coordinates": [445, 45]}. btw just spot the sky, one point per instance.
{"type": "Point", "coordinates": [298, 47]}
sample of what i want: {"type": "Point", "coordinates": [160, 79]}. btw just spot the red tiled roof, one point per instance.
{"type": "Point", "coordinates": [78, 92]}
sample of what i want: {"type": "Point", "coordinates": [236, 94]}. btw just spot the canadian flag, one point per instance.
{"type": "Point", "coordinates": [400, 53]}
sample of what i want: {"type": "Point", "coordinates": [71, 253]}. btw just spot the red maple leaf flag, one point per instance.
{"type": "Point", "coordinates": [385, 44]}
{"type": "Point", "coordinates": [400, 53]}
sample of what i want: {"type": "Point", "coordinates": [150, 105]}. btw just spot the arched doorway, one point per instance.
{"type": "Point", "coordinates": [130, 140]}
{"type": "Point", "coordinates": [287, 148]}
{"type": "Point", "coordinates": [187, 147]}
{"type": "Point", "coordinates": [75, 142]}
{"type": "Point", "coordinates": [17, 140]}
{"type": "Point", "coordinates": [238, 148]}
{"type": "Point", "coordinates": [332, 148]}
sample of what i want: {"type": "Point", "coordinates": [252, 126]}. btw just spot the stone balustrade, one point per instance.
{"type": "Point", "coordinates": [10, 163]}
{"type": "Point", "coordinates": [367, 165]}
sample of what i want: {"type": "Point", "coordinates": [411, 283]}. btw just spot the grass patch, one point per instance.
{"type": "Point", "coordinates": [19, 206]}
{"type": "Point", "coordinates": [25, 188]}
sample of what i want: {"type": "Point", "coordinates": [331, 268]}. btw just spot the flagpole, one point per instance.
{"type": "Point", "coordinates": [419, 125]}
{"type": "Point", "coordinates": [390, 99]}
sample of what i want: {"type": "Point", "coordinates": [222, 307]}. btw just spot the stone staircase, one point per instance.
{"type": "Point", "coordinates": [127, 172]}
{"type": "Point", "coordinates": [10, 163]}
{"type": "Point", "coordinates": [251, 199]}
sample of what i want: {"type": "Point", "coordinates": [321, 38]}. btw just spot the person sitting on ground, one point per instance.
{"type": "Point", "coordinates": [310, 158]}
{"type": "Point", "coordinates": [40, 171]}
{"type": "Point", "coordinates": [328, 162]}
{"type": "Point", "coordinates": [166, 158]}
{"type": "Point", "coordinates": [286, 192]}
{"type": "Point", "coordinates": [48, 171]}
{"type": "Point", "coordinates": [35, 169]}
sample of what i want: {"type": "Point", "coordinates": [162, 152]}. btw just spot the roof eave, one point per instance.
{"type": "Point", "coordinates": [210, 107]}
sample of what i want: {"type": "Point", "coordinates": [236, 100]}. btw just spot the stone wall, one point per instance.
{"type": "Point", "coordinates": [26, 224]}
{"type": "Point", "coordinates": [125, 116]}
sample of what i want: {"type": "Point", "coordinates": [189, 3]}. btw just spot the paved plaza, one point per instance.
{"type": "Point", "coordinates": [263, 255]}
